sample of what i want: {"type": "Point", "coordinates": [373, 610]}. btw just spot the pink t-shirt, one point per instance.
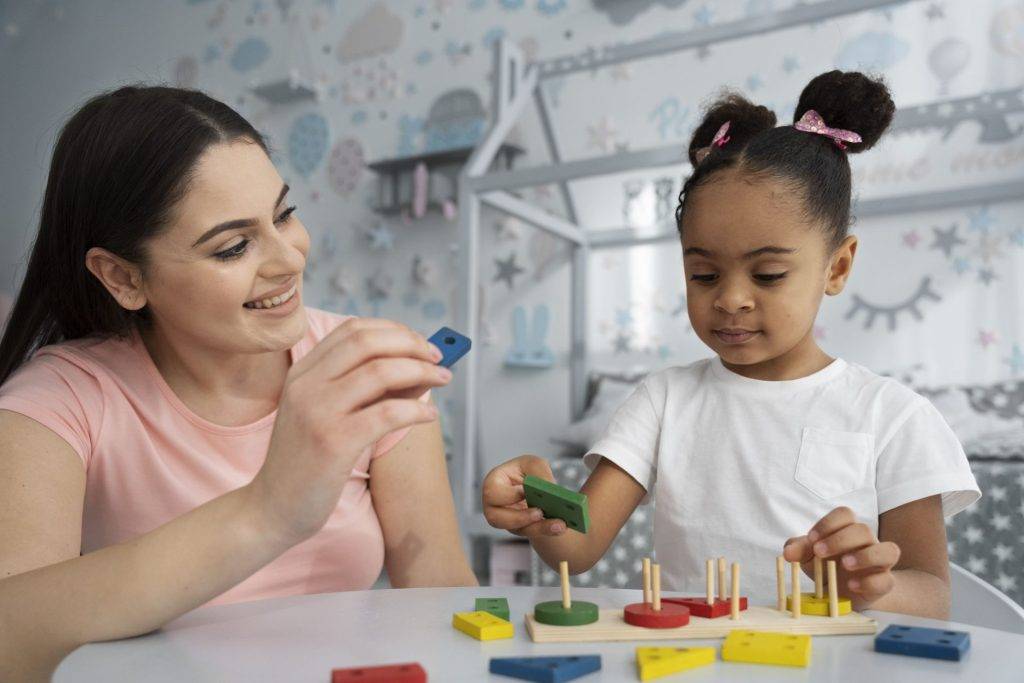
{"type": "Point", "coordinates": [149, 459]}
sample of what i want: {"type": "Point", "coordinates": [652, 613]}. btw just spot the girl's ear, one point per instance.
{"type": "Point", "coordinates": [840, 266]}
{"type": "Point", "coordinates": [121, 278]}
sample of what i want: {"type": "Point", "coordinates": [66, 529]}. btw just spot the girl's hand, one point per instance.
{"type": "Point", "coordinates": [505, 501]}
{"type": "Point", "coordinates": [357, 385]}
{"type": "Point", "coordinates": [864, 565]}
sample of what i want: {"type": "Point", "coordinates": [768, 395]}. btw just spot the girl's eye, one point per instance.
{"type": "Point", "coordinates": [233, 252]}
{"type": "Point", "coordinates": [704, 278]}
{"type": "Point", "coordinates": [769, 277]}
{"type": "Point", "coordinates": [285, 215]}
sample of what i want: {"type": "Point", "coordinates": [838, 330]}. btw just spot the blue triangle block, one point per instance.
{"type": "Point", "coordinates": [546, 669]}
{"type": "Point", "coordinates": [915, 641]}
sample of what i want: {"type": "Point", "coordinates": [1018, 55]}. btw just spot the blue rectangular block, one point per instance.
{"type": "Point", "coordinates": [915, 641]}
{"type": "Point", "coordinates": [546, 669]}
{"type": "Point", "coordinates": [452, 344]}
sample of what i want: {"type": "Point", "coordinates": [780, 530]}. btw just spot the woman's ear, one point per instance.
{"type": "Point", "coordinates": [840, 265]}
{"type": "Point", "coordinates": [122, 278]}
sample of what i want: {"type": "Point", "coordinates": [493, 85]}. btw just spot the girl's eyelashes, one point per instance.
{"type": "Point", "coordinates": [710, 277]}
{"type": "Point", "coordinates": [769, 277]}
{"type": "Point", "coordinates": [237, 250]}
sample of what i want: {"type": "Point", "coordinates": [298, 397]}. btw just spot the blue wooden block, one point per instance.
{"type": "Point", "coordinates": [452, 344]}
{"type": "Point", "coordinates": [546, 669]}
{"type": "Point", "coordinates": [915, 641]}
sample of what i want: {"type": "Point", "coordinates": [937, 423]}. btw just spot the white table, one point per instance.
{"type": "Point", "coordinates": [302, 638]}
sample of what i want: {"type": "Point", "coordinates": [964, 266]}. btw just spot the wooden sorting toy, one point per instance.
{"type": "Point", "coordinates": [612, 624]}
{"type": "Point", "coordinates": [760, 647]}
{"type": "Point", "coordinates": [557, 502]}
{"type": "Point", "coordinates": [546, 669]}
{"type": "Point", "coordinates": [709, 606]}
{"type": "Point", "coordinates": [566, 612]}
{"type": "Point", "coordinates": [496, 606]}
{"type": "Point", "coordinates": [482, 625]}
{"type": "Point", "coordinates": [916, 641]}
{"type": "Point", "coordinates": [655, 614]}
{"type": "Point", "coordinates": [816, 604]}
{"type": "Point", "coordinates": [655, 662]}
{"type": "Point", "coordinates": [390, 673]}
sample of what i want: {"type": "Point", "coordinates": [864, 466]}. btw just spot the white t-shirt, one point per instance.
{"type": "Point", "coordinates": [739, 465]}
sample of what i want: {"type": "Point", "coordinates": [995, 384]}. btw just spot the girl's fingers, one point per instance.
{"type": "Point", "coordinates": [547, 527]}
{"type": "Point", "coordinates": [847, 539]}
{"type": "Point", "coordinates": [498, 490]}
{"type": "Point", "coordinates": [831, 523]}
{"type": "Point", "coordinates": [877, 556]}
{"type": "Point", "coordinates": [871, 585]}
{"type": "Point", "coordinates": [797, 549]}
{"type": "Point", "coordinates": [512, 519]}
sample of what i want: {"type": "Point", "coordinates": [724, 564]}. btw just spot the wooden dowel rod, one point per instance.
{"type": "Point", "coordinates": [780, 579]}
{"type": "Point", "coordinates": [735, 591]}
{"type": "Point", "coordinates": [795, 597]}
{"type": "Point", "coordinates": [563, 569]}
{"type": "Point", "coordinates": [833, 590]}
{"type": "Point", "coordinates": [711, 581]}
{"type": "Point", "coordinates": [656, 576]}
{"type": "Point", "coordinates": [817, 578]}
{"type": "Point", "coordinates": [647, 580]}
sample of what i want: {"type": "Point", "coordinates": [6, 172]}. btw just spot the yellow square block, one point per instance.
{"type": "Point", "coordinates": [482, 625]}
{"type": "Point", "coordinates": [818, 607]}
{"type": "Point", "coordinates": [655, 662]}
{"type": "Point", "coordinates": [758, 647]}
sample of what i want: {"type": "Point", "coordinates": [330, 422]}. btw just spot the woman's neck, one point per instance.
{"type": "Point", "coordinates": [225, 388]}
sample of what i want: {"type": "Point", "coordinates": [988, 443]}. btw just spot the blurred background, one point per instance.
{"type": "Point", "coordinates": [375, 107]}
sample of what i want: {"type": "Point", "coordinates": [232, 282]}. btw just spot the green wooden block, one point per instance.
{"type": "Point", "coordinates": [496, 606]}
{"type": "Point", "coordinates": [558, 502]}
{"type": "Point", "coordinates": [555, 614]}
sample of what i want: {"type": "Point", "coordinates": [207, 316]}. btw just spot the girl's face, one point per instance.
{"type": "Point", "coordinates": [755, 272]}
{"type": "Point", "coordinates": [233, 247]}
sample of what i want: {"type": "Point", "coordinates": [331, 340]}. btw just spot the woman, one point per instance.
{"type": "Point", "coordinates": [188, 429]}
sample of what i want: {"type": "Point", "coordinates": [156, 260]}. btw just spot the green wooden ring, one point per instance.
{"type": "Point", "coordinates": [554, 614]}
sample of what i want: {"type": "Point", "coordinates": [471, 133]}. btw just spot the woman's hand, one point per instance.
{"type": "Point", "coordinates": [505, 501]}
{"type": "Point", "coordinates": [864, 565]}
{"type": "Point", "coordinates": [361, 382]}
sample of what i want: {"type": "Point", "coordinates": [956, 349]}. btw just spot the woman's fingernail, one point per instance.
{"type": "Point", "coordinates": [812, 536]}
{"type": "Point", "coordinates": [435, 353]}
{"type": "Point", "coordinates": [849, 561]}
{"type": "Point", "coordinates": [444, 374]}
{"type": "Point", "coordinates": [820, 548]}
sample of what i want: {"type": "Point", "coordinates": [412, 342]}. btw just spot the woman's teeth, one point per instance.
{"type": "Point", "coordinates": [273, 301]}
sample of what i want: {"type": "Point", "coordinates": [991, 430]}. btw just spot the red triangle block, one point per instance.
{"type": "Point", "coordinates": [390, 673]}
{"type": "Point", "coordinates": [699, 606]}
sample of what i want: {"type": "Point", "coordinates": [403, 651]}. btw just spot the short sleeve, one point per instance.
{"type": "Point", "coordinates": [631, 439]}
{"type": "Point", "coordinates": [924, 458]}
{"type": "Point", "coordinates": [59, 394]}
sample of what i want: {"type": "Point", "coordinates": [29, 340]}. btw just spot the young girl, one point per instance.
{"type": "Point", "coordinates": [772, 439]}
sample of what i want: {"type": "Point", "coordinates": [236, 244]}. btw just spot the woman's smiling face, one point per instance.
{"type": "Point", "coordinates": [227, 273]}
{"type": "Point", "coordinates": [756, 269]}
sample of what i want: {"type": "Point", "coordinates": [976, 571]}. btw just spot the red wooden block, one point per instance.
{"type": "Point", "coordinates": [699, 606]}
{"type": "Point", "coordinates": [390, 673]}
{"type": "Point", "coordinates": [643, 614]}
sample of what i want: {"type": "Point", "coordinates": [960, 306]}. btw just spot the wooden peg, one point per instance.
{"type": "Point", "coordinates": [563, 569]}
{"type": "Point", "coordinates": [833, 590]}
{"type": "Point", "coordinates": [722, 595]}
{"type": "Point", "coordinates": [817, 578]}
{"type": "Point", "coordinates": [656, 575]}
{"type": "Point", "coordinates": [711, 581]}
{"type": "Point", "coordinates": [780, 580]}
{"type": "Point", "coordinates": [735, 591]}
{"type": "Point", "coordinates": [647, 580]}
{"type": "Point", "coordinates": [795, 598]}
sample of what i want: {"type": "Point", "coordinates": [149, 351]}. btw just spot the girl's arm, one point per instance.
{"type": "Point", "coordinates": [906, 569]}
{"type": "Point", "coordinates": [612, 495]}
{"type": "Point", "coordinates": [413, 499]}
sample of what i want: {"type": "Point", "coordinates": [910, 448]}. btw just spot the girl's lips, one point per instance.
{"type": "Point", "coordinates": [735, 337]}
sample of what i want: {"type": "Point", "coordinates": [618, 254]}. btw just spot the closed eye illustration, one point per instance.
{"type": "Point", "coordinates": [891, 313]}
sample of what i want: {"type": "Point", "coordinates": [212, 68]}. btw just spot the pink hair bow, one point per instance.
{"type": "Point", "coordinates": [811, 122]}
{"type": "Point", "coordinates": [719, 140]}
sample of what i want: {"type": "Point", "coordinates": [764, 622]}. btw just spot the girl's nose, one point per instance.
{"type": "Point", "coordinates": [732, 299]}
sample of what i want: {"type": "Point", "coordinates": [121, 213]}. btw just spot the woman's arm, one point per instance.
{"type": "Point", "coordinates": [413, 499]}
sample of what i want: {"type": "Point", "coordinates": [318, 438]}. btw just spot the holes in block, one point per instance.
{"type": "Point", "coordinates": [449, 340]}
{"type": "Point", "coordinates": [945, 641]}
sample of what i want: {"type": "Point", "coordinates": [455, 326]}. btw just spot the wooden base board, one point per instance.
{"type": "Point", "coordinates": [611, 626]}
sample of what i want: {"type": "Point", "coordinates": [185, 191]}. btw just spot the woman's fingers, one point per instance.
{"type": "Point", "coordinates": [382, 376]}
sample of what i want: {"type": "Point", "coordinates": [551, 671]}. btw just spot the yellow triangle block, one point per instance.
{"type": "Point", "coordinates": [655, 662]}
{"type": "Point", "coordinates": [482, 625]}
{"type": "Point", "coordinates": [757, 647]}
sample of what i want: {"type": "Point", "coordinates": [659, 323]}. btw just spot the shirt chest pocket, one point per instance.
{"type": "Point", "coordinates": [832, 463]}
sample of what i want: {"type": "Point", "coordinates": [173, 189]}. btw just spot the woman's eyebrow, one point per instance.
{"type": "Point", "coordinates": [236, 223]}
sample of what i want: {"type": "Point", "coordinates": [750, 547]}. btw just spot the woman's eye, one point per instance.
{"type": "Point", "coordinates": [704, 278]}
{"type": "Point", "coordinates": [769, 277]}
{"type": "Point", "coordinates": [285, 215]}
{"type": "Point", "coordinates": [233, 252]}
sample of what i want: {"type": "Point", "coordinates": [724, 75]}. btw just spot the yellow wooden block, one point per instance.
{"type": "Point", "coordinates": [818, 607]}
{"type": "Point", "coordinates": [482, 625]}
{"type": "Point", "coordinates": [760, 647]}
{"type": "Point", "coordinates": [655, 662]}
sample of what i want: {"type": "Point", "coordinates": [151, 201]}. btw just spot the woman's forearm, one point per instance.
{"type": "Point", "coordinates": [915, 592]}
{"type": "Point", "coordinates": [133, 587]}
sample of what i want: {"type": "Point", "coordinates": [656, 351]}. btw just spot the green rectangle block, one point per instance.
{"type": "Point", "coordinates": [558, 502]}
{"type": "Point", "coordinates": [496, 606]}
